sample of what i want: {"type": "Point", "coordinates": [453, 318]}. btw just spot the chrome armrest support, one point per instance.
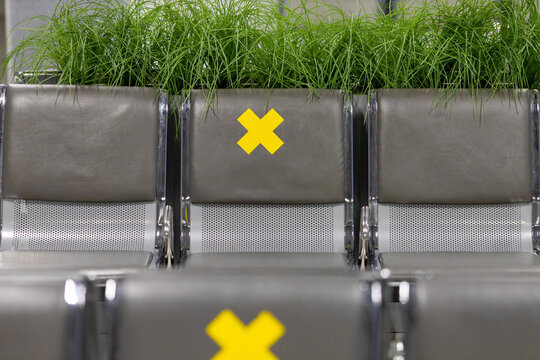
{"type": "Point", "coordinates": [167, 232]}
{"type": "Point", "coordinates": [364, 236]}
{"type": "Point", "coordinates": [536, 224]}
{"type": "Point", "coordinates": [536, 239]}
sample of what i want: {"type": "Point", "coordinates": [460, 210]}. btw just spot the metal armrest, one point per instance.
{"type": "Point", "coordinates": [166, 233]}
{"type": "Point", "coordinates": [364, 218]}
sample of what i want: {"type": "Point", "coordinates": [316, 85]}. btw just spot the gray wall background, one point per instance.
{"type": "Point", "coordinates": [15, 12]}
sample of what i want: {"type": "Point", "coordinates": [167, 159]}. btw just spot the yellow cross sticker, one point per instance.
{"type": "Point", "coordinates": [241, 342]}
{"type": "Point", "coordinates": [260, 131]}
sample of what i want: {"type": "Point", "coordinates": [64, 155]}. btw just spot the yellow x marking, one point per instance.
{"type": "Point", "coordinates": [260, 131]}
{"type": "Point", "coordinates": [241, 342]}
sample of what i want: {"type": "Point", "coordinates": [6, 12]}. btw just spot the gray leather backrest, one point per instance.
{"type": "Point", "coordinates": [36, 320]}
{"type": "Point", "coordinates": [308, 168]}
{"type": "Point", "coordinates": [324, 317]}
{"type": "Point", "coordinates": [83, 143]}
{"type": "Point", "coordinates": [482, 317]}
{"type": "Point", "coordinates": [462, 150]}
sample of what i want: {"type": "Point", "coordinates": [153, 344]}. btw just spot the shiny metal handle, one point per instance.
{"type": "Point", "coordinates": [167, 233]}
{"type": "Point", "coordinates": [364, 217]}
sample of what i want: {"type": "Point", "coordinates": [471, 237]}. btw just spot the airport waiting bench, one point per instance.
{"type": "Point", "coordinates": [189, 315]}
{"type": "Point", "coordinates": [241, 315]}
{"type": "Point", "coordinates": [84, 178]}
{"type": "Point", "coordinates": [177, 315]}
{"type": "Point", "coordinates": [98, 154]}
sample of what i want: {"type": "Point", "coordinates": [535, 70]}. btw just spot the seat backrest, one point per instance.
{"type": "Point", "coordinates": [46, 316]}
{"type": "Point", "coordinates": [453, 172]}
{"type": "Point", "coordinates": [293, 316]}
{"type": "Point", "coordinates": [489, 316]}
{"type": "Point", "coordinates": [82, 167]}
{"type": "Point", "coordinates": [267, 171]}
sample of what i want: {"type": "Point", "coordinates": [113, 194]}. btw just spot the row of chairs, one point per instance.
{"type": "Point", "coordinates": [151, 315]}
{"type": "Point", "coordinates": [84, 170]}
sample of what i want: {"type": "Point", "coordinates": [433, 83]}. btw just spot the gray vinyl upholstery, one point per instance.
{"type": "Point", "coordinates": [36, 321]}
{"type": "Point", "coordinates": [437, 149]}
{"type": "Point", "coordinates": [325, 317]}
{"type": "Point", "coordinates": [80, 143]}
{"type": "Point", "coordinates": [308, 168]}
{"type": "Point", "coordinates": [493, 317]}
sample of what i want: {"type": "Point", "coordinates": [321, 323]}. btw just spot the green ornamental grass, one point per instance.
{"type": "Point", "coordinates": [180, 45]}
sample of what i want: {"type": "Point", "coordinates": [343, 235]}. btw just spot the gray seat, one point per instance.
{"type": "Point", "coordinates": [452, 176]}
{"type": "Point", "coordinates": [196, 316]}
{"type": "Point", "coordinates": [46, 316]}
{"type": "Point", "coordinates": [459, 317]}
{"type": "Point", "coordinates": [291, 193]}
{"type": "Point", "coordinates": [83, 170]}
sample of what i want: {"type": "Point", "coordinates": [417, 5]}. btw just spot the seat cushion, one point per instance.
{"type": "Point", "coordinates": [111, 262]}
{"type": "Point", "coordinates": [261, 261]}
{"type": "Point", "coordinates": [413, 263]}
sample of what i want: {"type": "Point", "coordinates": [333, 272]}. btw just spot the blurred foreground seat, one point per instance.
{"type": "Point", "coordinates": [469, 316]}
{"type": "Point", "coordinates": [267, 179]}
{"type": "Point", "coordinates": [453, 180]}
{"type": "Point", "coordinates": [83, 177]}
{"type": "Point", "coordinates": [238, 315]}
{"type": "Point", "coordinates": [46, 316]}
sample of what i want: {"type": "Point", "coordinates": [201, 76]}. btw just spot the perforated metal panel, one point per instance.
{"type": "Point", "coordinates": [428, 228]}
{"type": "Point", "coordinates": [267, 228]}
{"type": "Point", "coordinates": [44, 225]}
